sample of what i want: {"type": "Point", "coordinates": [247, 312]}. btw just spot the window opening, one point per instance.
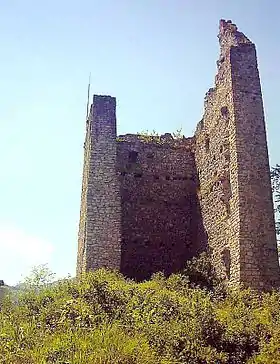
{"type": "Point", "coordinates": [207, 144]}
{"type": "Point", "coordinates": [133, 156]}
{"type": "Point", "coordinates": [226, 260]}
{"type": "Point", "coordinates": [224, 112]}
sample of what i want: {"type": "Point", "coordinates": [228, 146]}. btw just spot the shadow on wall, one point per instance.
{"type": "Point", "coordinates": [161, 236]}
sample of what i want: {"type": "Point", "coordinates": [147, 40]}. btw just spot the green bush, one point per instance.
{"type": "Point", "coordinates": [104, 318]}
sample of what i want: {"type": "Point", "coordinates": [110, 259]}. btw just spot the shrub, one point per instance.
{"type": "Point", "coordinates": [104, 318]}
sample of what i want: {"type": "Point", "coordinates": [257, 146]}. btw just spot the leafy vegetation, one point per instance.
{"type": "Point", "coordinates": [103, 318]}
{"type": "Point", "coordinates": [147, 136]}
{"type": "Point", "coordinates": [153, 137]}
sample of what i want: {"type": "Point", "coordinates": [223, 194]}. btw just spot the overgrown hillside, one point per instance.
{"type": "Point", "coordinates": [104, 319]}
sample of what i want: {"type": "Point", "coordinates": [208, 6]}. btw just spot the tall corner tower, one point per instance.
{"type": "Point", "coordinates": [259, 265]}
{"type": "Point", "coordinates": [100, 214]}
{"type": "Point", "coordinates": [233, 164]}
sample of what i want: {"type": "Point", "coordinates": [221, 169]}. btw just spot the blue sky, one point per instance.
{"type": "Point", "coordinates": [157, 57]}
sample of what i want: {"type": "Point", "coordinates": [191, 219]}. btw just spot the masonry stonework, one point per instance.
{"type": "Point", "coordinates": [99, 242]}
{"type": "Point", "coordinates": [161, 222]}
{"type": "Point", "coordinates": [151, 203]}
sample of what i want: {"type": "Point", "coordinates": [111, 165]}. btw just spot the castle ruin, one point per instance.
{"type": "Point", "coordinates": [151, 203]}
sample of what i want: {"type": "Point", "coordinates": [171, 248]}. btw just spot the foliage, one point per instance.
{"type": "Point", "coordinates": [147, 136]}
{"type": "Point", "coordinates": [150, 137]}
{"type": "Point", "coordinates": [153, 137]}
{"type": "Point", "coordinates": [201, 271]}
{"type": "Point", "coordinates": [40, 276]}
{"type": "Point", "coordinates": [177, 134]}
{"type": "Point", "coordinates": [105, 318]}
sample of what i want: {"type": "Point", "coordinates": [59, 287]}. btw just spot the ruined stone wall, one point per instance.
{"type": "Point", "coordinates": [233, 169]}
{"type": "Point", "coordinates": [160, 216]}
{"type": "Point", "coordinates": [216, 164]}
{"type": "Point", "coordinates": [259, 264]}
{"type": "Point", "coordinates": [150, 203]}
{"type": "Point", "coordinates": [100, 216]}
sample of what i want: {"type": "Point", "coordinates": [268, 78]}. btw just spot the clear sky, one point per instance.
{"type": "Point", "coordinates": [157, 57]}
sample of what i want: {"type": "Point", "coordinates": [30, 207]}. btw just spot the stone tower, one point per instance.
{"type": "Point", "coordinates": [233, 166]}
{"type": "Point", "coordinates": [149, 203]}
{"type": "Point", "coordinates": [99, 228]}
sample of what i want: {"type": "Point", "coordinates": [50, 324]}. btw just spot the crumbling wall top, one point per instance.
{"type": "Point", "coordinates": [227, 25]}
{"type": "Point", "coordinates": [229, 35]}
{"type": "Point", "coordinates": [164, 140]}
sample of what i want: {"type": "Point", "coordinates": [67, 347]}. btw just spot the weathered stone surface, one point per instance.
{"type": "Point", "coordinates": [232, 160]}
{"type": "Point", "coordinates": [100, 216]}
{"type": "Point", "coordinates": [150, 203]}
{"type": "Point", "coordinates": [161, 222]}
